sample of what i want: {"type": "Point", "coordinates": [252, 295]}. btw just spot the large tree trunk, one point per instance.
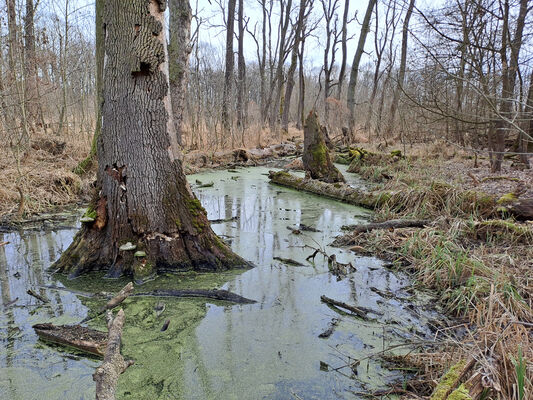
{"type": "Point", "coordinates": [144, 218]}
{"type": "Point", "coordinates": [316, 158]}
{"type": "Point", "coordinates": [178, 55]}
{"type": "Point", "coordinates": [350, 96]}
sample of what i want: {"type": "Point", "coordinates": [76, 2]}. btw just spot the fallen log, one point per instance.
{"type": "Point", "coordinates": [391, 224]}
{"type": "Point", "coordinates": [106, 375]}
{"type": "Point", "coordinates": [115, 301]}
{"type": "Point", "coordinates": [209, 294]}
{"type": "Point", "coordinates": [222, 220]}
{"type": "Point", "coordinates": [289, 261]}
{"type": "Point", "coordinates": [359, 311]}
{"type": "Point", "coordinates": [338, 191]}
{"type": "Point", "coordinates": [79, 337]}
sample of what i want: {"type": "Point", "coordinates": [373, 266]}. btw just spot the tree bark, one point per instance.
{"type": "Point", "coordinates": [350, 96]}
{"type": "Point", "coordinates": [401, 72]}
{"type": "Point", "coordinates": [316, 157]}
{"type": "Point", "coordinates": [228, 75]}
{"type": "Point", "coordinates": [301, 87]}
{"type": "Point", "coordinates": [276, 111]}
{"type": "Point", "coordinates": [88, 161]}
{"type": "Point", "coordinates": [144, 217]}
{"type": "Point", "coordinates": [178, 54]}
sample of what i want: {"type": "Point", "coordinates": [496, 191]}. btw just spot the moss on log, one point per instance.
{"type": "Point", "coordinates": [338, 191]}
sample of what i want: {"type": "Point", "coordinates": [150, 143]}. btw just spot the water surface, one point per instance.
{"type": "Point", "coordinates": [268, 350]}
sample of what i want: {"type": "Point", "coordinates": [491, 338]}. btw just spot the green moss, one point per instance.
{"type": "Point", "coordinates": [396, 153]}
{"type": "Point", "coordinates": [318, 153]}
{"type": "Point", "coordinates": [461, 393]}
{"type": "Point", "coordinates": [507, 198]}
{"type": "Point", "coordinates": [90, 212]}
{"type": "Point", "coordinates": [448, 381]}
{"type": "Point", "coordinates": [195, 207]}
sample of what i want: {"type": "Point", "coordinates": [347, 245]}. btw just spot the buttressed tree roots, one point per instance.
{"type": "Point", "coordinates": [144, 217]}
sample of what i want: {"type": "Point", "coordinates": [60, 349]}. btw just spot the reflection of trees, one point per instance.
{"type": "Point", "coordinates": [10, 329]}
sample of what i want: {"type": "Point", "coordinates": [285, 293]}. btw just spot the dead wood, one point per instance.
{"type": "Point", "coordinates": [209, 294]}
{"type": "Point", "coordinates": [79, 337]}
{"type": "Point", "coordinates": [338, 191]}
{"type": "Point", "coordinates": [289, 261]}
{"type": "Point", "coordinates": [339, 304]}
{"type": "Point", "coordinates": [522, 209]}
{"type": "Point", "coordinates": [37, 296]}
{"type": "Point", "coordinates": [391, 224]}
{"type": "Point", "coordinates": [331, 328]}
{"type": "Point", "coordinates": [3, 243]}
{"type": "Point", "coordinates": [115, 301]}
{"type": "Point", "coordinates": [120, 297]}
{"type": "Point", "coordinates": [106, 375]}
{"type": "Point", "coordinates": [222, 220]}
{"type": "Point", "coordinates": [165, 325]}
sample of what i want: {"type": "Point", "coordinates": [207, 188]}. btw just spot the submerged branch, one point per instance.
{"type": "Point", "coordinates": [209, 294]}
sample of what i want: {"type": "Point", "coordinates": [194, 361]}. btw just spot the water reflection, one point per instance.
{"type": "Point", "coordinates": [272, 350]}
{"type": "Point", "coordinates": [269, 350]}
{"type": "Point", "coordinates": [28, 367]}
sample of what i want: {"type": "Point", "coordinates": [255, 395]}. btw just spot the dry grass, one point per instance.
{"type": "Point", "coordinates": [480, 268]}
{"type": "Point", "coordinates": [46, 180]}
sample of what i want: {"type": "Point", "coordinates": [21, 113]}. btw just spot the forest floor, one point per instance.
{"type": "Point", "coordinates": [478, 263]}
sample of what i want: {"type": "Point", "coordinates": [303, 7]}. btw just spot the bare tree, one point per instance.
{"type": "Point", "coordinates": [241, 73]}
{"type": "Point", "coordinates": [401, 72]}
{"type": "Point", "coordinates": [228, 76]}
{"type": "Point", "coordinates": [300, 23]}
{"type": "Point", "coordinates": [350, 96]}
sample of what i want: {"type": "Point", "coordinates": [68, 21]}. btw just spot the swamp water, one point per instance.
{"type": "Point", "coordinates": [268, 350]}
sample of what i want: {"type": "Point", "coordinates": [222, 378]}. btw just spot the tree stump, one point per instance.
{"type": "Point", "coordinates": [316, 159]}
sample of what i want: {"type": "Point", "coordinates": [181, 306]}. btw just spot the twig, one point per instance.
{"type": "Point", "coordinates": [37, 296]}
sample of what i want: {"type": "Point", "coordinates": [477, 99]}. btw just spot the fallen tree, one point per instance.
{"type": "Point", "coordinates": [391, 224]}
{"type": "Point", "coordinates": [78, 337]}
{"type": "Point", "coordinates": [435, 197]}
{"type": "Point", "coordinates": [223, 295]}
{"type": "Point", "coordinates": [338, 191]}
{"type": "Point", "coordinates": [106, 375]}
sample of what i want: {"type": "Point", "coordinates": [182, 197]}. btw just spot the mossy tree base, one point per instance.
{"type": "Point", "coordinates": [316, 158]}
{"type": "Point", "coordinates": [153, 254]}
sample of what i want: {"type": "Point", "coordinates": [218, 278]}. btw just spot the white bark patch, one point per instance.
{"type": "Point", "coordinates": [162, 236]}
{"type": "Point", "coordinates": [174, 150]}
